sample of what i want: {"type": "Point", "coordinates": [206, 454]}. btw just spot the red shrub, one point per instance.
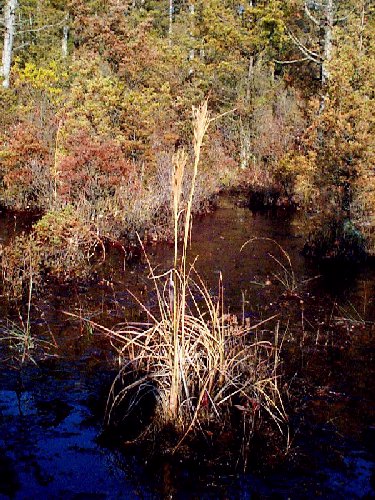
{"type": "Point", "coordinates": [25, 162]}
{"type": "Point", "coordinates": [93, 168]}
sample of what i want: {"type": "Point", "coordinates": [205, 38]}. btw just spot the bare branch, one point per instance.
{"type": "Point", "coordinates": [305, 51]}
{"type": "Point", "coordinates": [42, 28]}
{"type": "Point", "coordinates": [293, 61]}
{"type": "Point", "coordinates": [26, 44]}
{"type": "Point", "coordinates": [341, 19]}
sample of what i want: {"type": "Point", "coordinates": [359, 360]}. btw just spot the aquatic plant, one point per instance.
{"type": "Point", "coordinates": [17, 335]}
{"type": "Point", "coordinates": [205, 368]}
{"type": "Point", "coordinates": [285, 273]}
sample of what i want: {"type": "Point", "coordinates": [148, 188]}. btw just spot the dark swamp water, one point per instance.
{"type": "Point", "coordinates": [51, 415]}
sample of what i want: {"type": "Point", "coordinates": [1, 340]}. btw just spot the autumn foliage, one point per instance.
{"type": "Point", "coordinates": [92, 169]}
{"type": "Point", "coordinates": [26, 161]}
{"type": "Point", "coordinates": [97, 128]}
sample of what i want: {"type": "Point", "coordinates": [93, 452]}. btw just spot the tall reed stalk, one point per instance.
{"type": "Point", "coordinates": [27, 327]}
{"type": "Point", "coordinates": [201, 122]}
{"type": "Point", "coordinates": [201, 362]}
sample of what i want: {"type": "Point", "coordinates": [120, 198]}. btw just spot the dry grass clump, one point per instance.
{"type": "Point", "coordinates": [204, 367]}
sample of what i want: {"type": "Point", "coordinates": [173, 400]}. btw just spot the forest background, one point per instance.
{"type": "Point", "coordinates": [97, 96]}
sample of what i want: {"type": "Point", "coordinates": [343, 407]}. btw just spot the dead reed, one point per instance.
{"type": "Point", "coordinates": [202, 364]}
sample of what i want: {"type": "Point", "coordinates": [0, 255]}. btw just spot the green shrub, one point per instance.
{"type": "Point", "coordinates": [60, 245]}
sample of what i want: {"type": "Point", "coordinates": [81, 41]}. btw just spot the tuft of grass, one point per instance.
{"type": "Point", "coordinates": [204, 366]}
{"type": "Point", "coordinates": [284, 272]}
{"type": "Point", "coordinates": [18, 335]}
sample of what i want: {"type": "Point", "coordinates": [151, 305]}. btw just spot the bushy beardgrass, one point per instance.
{"type": "Point", "coordinates": [205, 368]}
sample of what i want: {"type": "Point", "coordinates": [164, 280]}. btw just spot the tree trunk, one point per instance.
{"type": "Point", "coordinates": [64, 41]}
{"type": "Point", "coordinates": [9, 23]}
{"type": "Point", "coordinates": [245, 128]}
{"type": "Point", "coordinates": [327, 50]}
{"type": "Point", "coordinates": [170, 30]}
{"type": "Point", "coordinates": [192, 23]}
{"type": "Point", "coordinates": [362, 25]}
{"type": "Point", "coordinates": [250, 78]}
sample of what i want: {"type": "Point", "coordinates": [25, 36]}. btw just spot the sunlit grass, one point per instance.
{"type": "Point", "coordinates": [202, 364]}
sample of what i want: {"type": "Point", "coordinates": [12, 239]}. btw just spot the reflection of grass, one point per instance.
{"type": "Point", "coordinates": [349, 315]}
{"type": "Point", "coordinates": [204, 366]}
{"type": "Point", "coordinates": [284, 274]}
